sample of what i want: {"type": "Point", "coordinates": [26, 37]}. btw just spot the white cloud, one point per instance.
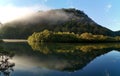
{"type": "Point", "coordinates": [108, 7]}
{"type": "Point", "coordinates": [11, 12]}
{"type": "Point", "coordinates": [45, 0]}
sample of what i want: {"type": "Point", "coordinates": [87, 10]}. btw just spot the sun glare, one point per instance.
{"type": "Point", "coordinates": [10, 13]}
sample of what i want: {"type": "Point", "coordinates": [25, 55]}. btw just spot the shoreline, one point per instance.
{"type": "Point", "coordinates": [14, 40]}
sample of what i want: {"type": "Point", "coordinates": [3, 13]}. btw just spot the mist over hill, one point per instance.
{"type": "Point", "coordinates": [64, 20]}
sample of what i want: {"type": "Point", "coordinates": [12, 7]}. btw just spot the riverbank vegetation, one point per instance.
{"type": "Point", "coordinates": [64, 37]}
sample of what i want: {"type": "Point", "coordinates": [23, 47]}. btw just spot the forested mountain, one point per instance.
{"type": "Point", "coordinates": [64, 20]}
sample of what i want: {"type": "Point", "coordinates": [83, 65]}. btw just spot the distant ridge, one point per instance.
{"type": "Point", "coordinates": [71, 20]}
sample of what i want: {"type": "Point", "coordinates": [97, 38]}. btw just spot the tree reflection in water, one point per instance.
{"type": "Point", "coordinates": [74, 56]}
{"type": "Point", "coordinates": [6, 67]}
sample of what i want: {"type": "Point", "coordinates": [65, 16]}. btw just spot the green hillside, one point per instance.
{"type": "Point", "coordinates": [57, 20]}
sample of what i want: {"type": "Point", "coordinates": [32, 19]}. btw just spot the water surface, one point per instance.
{"type": "Point", "coordinates": [66, 59]}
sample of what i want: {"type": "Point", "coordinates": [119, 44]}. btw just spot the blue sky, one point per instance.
{"type": "Point", "coordinates": [104, 12]}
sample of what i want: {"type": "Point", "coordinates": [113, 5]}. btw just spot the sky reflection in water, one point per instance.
{"type": "Point", "coordinates": [36, 63]}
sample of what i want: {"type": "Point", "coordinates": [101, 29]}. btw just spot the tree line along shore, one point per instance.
{"type": "Point", "coordinates": [63, 37]}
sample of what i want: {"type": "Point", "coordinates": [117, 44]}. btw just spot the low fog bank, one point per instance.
{"type": "Point", "coordinates": [50, 17]}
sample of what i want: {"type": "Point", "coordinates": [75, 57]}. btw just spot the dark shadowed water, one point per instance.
{"type": "Point", "coordinates": [54, 59]}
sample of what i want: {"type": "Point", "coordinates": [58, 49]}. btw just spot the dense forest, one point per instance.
{"type": "Point", "coordinates": [49, 36]}
{"type": "Point", "coordinates": [57, 20]}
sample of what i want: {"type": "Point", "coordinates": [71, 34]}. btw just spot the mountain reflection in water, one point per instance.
{"type": "Point", "coordinates": [56, 57]}
{"type": "Point", "coordinates": [75, 56]}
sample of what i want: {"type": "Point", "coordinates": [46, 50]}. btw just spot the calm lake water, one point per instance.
{"type": "Point", "coordinates": [52, 59]}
